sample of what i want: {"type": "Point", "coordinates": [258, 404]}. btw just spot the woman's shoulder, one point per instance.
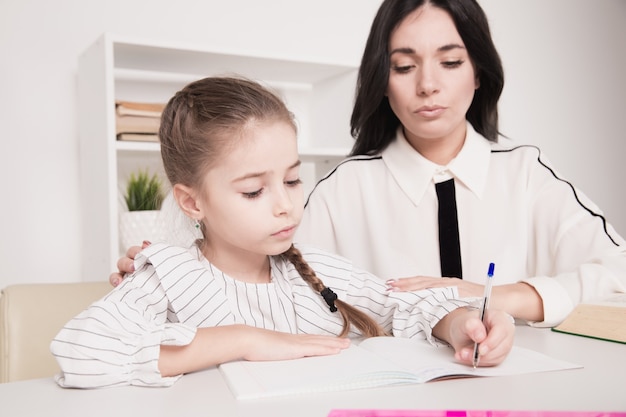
{"type": "Point", "coordinates": [352, 168]}
{"type": "Point", "coordinates": [512, 150]}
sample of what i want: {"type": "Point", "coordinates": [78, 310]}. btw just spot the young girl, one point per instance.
{"type": "Point", "coordinates": [244, 290]}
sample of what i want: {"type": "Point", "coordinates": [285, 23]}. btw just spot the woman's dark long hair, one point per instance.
{"type": "Point", "coordinates": [373, 123]}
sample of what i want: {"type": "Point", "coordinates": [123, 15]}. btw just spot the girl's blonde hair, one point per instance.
{"type": "Point", "coordinates": [207, 117]}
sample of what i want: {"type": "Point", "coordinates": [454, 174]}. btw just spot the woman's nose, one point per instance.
{"type": "Point", "coordinates": [426, 81]}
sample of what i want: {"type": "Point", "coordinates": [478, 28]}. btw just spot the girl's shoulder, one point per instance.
{"type": "Point", "coordinates": [312, 253]}
{"type": "Point", "coordinates": [325, 263]}
{"type": "Point", "coordinates": [162, 255]}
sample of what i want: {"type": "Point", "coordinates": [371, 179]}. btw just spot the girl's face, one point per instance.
{"type": "Point", "coordinates": [431, 80]}
{"type": "Point", "coordinates": [252, 199]}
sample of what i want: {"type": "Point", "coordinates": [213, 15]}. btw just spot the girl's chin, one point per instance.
{"type": "Point", "coordinates": [282, 247]}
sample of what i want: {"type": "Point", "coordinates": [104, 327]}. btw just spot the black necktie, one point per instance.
{"type": "Point", "coordinates": [449, 247]}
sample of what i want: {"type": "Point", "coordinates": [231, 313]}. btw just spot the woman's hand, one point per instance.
{"type": "Point", "coordinates": [462, 328]}
{"type": "Point", "coordinates": [519, 299]}
{"type": "Point", "coordinates": [466, 289]}
{"type": "Point", "coordinates": [126, 264]}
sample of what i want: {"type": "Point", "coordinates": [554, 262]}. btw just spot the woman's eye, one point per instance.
{"type": "Point", "coordinates": [402, 69]}
{"type": "Point", "coordinates": [452, 64]}
{"type": "Point", "coordinates": [253, 194]}
{"type": "Point", "coordinates": [294, 183]}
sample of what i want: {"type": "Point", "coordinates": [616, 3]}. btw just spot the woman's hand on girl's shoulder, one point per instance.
{"type": "Point", "coordinates": [126, 264]}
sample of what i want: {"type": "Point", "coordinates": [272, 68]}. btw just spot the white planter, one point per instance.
{"type": "Point", "coordinates": [137, 226]}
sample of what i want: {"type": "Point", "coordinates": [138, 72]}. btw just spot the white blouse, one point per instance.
{"type": "Point", "coordinates": [175, 290]}
{"type": "Point", "coordinates": [514, 210]}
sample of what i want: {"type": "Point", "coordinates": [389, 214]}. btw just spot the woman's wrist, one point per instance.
{"type": "Point", "coordinates": [520, 300]}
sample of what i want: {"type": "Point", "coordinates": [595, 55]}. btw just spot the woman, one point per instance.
{"type": "Point", "coordinates": [426, 112]}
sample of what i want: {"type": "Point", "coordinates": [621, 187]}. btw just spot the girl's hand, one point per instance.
{"type": "Point", "coordinates": [463, 328]}
{"type": "Point", "coordinates": [126, 264]}
{"type": "Point", "coordinates": [267, 345]}
{"type": "Point", "coordinates": [466, 289]}
{"type": "Point", "coordinates": [215, 345]}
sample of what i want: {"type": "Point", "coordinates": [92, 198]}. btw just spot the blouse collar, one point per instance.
{"type": "Point", "coordinates": [414, 173]}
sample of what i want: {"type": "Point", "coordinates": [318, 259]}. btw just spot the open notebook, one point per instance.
{"type": "Point", "coordinates": [374, 362]}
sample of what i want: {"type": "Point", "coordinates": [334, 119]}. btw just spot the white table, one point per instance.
{"type": "Point", "coordinates": [599, 386]}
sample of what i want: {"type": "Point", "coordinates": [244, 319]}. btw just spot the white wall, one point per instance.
{"type": "Point", "coordinates": [565, 91]}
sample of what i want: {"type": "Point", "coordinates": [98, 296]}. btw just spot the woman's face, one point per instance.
{"type": "Point", "coordinates": [431, 79]}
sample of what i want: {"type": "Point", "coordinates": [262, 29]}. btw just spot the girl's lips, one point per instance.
{"type": "Point", "coordinates": [286, 232]}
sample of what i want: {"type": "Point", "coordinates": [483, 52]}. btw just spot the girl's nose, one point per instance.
{"type": "Point", "coordinates": [283, 203]}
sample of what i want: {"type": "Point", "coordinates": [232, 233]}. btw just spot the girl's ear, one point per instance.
{"type": "Point", "coordinates": [186, 199]}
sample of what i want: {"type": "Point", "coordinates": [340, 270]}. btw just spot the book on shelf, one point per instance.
{"type": "Point", "coordinates": [134, 108]}
{"type": "Point", "coordinates": [136, 124]}
{"type": "Point", "coordinates": [374, 362]}
{"type": "Point", "coordinates": [138, 137]}
{"type": "Point", "coordinates": [604, 320]}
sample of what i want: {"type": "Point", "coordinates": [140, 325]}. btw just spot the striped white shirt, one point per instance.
{"type": "Point", "coordinates": [175, 290]}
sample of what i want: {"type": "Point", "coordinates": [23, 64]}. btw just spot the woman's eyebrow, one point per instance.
{"type": "Point", "coordinates": [410, 51]}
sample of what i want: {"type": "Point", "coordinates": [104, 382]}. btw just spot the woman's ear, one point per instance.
{"type": "Point", "coordinates": [187, 201]}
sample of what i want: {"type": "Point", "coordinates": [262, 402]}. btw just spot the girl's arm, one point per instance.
{"type": "Point", "coordinates": [214, 345]}
{"type": "Point", "coordinates": [126, 339]}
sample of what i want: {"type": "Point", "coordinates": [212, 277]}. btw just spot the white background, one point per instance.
{"type": "Point", "coordinates": [565, 63]}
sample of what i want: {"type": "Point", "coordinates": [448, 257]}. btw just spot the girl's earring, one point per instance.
{"type": "Point", "coordinates": [197, 224]}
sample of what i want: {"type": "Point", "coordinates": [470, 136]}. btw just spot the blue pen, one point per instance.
{"type": "Point", "coordinates": [484, 307]}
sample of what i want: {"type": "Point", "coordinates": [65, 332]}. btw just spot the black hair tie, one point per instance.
{"type": "Point", "coordinates": [329, 297]}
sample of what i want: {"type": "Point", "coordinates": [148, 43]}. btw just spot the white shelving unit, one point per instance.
{"type": "Point", "coordinates": [122, 68]}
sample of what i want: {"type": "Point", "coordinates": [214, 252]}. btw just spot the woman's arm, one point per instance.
{"type": "Point", "coordinates": [435, 313]}
{"type": "Point", "coordinates": [519, 299]}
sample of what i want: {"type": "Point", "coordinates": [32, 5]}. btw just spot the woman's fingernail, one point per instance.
{"type": "Point", "coordinates": [146, 243]}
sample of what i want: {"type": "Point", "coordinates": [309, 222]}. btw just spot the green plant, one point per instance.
{"type": "Point", "coordinates": [144, 192]}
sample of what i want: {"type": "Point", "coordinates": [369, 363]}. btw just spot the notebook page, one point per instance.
{"type": "Point", "coordinates": [428, 362]}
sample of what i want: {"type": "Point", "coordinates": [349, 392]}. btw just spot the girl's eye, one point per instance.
{"type": "Point", "coordinates": [294, 183]}
{"type": "Point", "coordinates": [401, 69]}
{"type": "Point", "coordinates": [452, 64]}
{"type": "Point", "coordinates": [253, 194]}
